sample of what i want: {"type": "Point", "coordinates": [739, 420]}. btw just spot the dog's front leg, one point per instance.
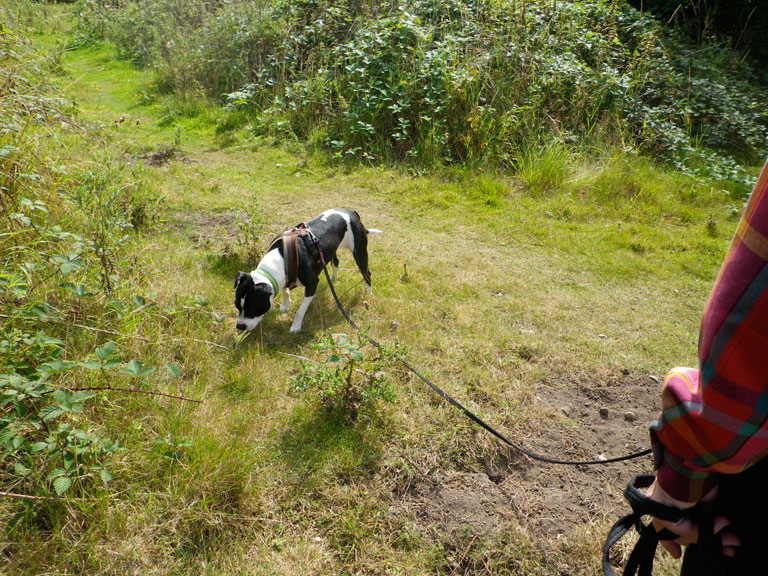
{"type": "Point", "coordinates": [299, 319]}
{"type": "Point", "coordinates": [285, 300]}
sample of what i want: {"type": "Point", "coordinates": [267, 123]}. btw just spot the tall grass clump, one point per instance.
{"type": "Point", "coordinates": [544, 168]}
{"type": "Point", "coordinates": [451, 82]}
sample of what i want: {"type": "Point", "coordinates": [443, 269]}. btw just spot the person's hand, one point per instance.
{"type": "Point", "coordinates": [687, 530]}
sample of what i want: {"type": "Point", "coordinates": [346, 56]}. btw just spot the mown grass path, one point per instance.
{"type": "Point", "coordinates": [537, 311]}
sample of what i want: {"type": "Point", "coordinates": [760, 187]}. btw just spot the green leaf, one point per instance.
{"type": "Point", "coordinates": [356, 355]}
{"type": "Point", "coordinates": [340, 339]}
{"type": "Point", "coordinates": [20, 469]}
{"type": "Point", "coordinates": [61, 484]}
{"type": "Point", "coordinates": [42, 339]}
{"type": "Point", "coordinates": [81, 396]}
{"type": "Point", "coordinates": [80, 291]}
{"type": "Point", "coordinates": [133, 368]}
{"type": "Point", "coordinates": [55, 366]}
{"type": "Point", "coordinates": [105, 476]}
{"type": "Point", "coordinates": [50, 412]}
{"type": "Point", "coordinates": [173, 370]}
{"type": "Point", "coordinates": [56, 472]}
{"type": "Point", "coordinates": [62, 398]}
{"type": "Point", "coordinates": [105, 351]}
{"type": "Point", "coordinates": [6, 434]}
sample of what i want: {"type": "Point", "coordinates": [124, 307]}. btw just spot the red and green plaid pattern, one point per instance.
{"type": "Point", "coordinates": [715, 420]}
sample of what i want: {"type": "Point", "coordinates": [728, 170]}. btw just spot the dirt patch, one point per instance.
{"type": "Point", "coordinates": [163, 155]}
{"type": "Point", "coordinates": [204, 228]}
{"type": "Point", "coordinates": [549, 501]}
{"type": "Point", "coordinates": [457, 502]}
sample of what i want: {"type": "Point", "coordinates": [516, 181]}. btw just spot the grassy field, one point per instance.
{"type": "Point", "coordinates": [536, 298]}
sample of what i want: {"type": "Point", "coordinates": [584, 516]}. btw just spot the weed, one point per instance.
{"type": "Point", "coordinates": [352, 385]}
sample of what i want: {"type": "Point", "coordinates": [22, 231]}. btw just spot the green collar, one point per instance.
{"type": "Point", "coordinates": [269, 277]}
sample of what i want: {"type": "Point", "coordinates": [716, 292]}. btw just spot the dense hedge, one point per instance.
{"type": "Point", "coordinates": [451, 80]}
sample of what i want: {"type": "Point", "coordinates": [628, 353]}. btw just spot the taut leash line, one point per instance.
{"type": "Point", "coordinates": [455, 403]}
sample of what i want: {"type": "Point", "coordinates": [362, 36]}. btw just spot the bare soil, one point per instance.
{"type": "Point", "coordinates": [549, 501]}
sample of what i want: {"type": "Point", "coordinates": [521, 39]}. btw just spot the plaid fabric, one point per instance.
{"type": "Point", "coordinates": [715, 420]}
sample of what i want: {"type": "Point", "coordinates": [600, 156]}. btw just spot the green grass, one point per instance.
{"type": "Point", "coordinates": [570, 270]}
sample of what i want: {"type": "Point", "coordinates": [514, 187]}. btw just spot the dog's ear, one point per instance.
{"type": "Point", "coordinates": [238, 277]}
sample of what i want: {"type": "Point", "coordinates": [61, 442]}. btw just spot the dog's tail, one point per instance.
{"type": "Point", "coordinates": [373, 231]}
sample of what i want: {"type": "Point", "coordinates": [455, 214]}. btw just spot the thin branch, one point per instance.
{"type": "Point", "coordinates": [38, 498]}
{"type": "Point", "coordinates": [136, 390]}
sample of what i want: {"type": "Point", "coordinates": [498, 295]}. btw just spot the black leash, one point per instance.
{"type": "Point", "coordinates": [700, 559]}
{"type": "Point", "coordinates": [317, 252]}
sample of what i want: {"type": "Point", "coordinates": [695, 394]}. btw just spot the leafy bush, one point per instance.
{"type": "Point", "coordinates": [457, 81]}
{"type": "Point", "coordinates": [61, 262]}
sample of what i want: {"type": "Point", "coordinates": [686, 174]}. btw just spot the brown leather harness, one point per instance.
{"type": "Point", "coordinates": [291, 251]}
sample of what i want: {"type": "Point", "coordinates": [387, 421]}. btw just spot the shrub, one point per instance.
{"type": "Point", "coordinates": [61, 248]}
{"type": "Point", "coordinates": [346, 382]}
{"type": "Point", "coordinates": [453, 82]}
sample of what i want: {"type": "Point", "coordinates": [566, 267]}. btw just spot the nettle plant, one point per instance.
{"type": "Point", "coordinates": [346, 381]}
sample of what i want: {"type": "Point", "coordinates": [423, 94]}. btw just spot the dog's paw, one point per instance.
{"type": "Point", "coordinates": [284, 309]}
{"type": "Point", "coordinates": [295, 329]}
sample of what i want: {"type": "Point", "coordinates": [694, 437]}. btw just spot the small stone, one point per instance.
{"type": "Point", "coordinates": [394, 325]}
{"type": "Point", "coordinates": [603, 413]}
{"type": "Point", "coordinates": [566, 410]}
{"type": "Point", "coordinates": [601, 335]}
{"type": "Point", "coordinates": [625, 371]}
{"type": "Point", "coordinates": [629, 416]}
{"type": "Point", "coordinates": [654, 378]}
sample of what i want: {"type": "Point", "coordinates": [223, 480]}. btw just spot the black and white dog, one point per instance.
{"type": "Point", "coordinates": [255, 292]}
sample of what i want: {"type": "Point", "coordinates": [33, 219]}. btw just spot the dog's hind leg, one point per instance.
{"type": "Point", "coordinates": [361, 258]}
{"type": "Point", "coordinates": [335, 269]}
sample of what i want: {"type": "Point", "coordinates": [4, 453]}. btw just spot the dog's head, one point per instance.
{"type": "Point", "coordinates": [252, 301]}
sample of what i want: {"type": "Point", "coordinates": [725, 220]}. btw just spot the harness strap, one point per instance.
{"type": "Point", "coordinates": [291, 258]}
{"type": "Point", "coordinates": [700, 559]}
{"type": "Point", "coordinates": [291, 251]}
